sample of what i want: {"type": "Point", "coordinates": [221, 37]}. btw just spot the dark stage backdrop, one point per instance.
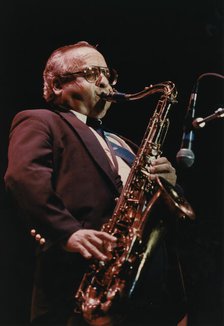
{"type": "Point", "coordinates": [147, 42]}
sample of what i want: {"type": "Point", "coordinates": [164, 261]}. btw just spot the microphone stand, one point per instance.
{"type": "Point", "coordinates": [185, 155]}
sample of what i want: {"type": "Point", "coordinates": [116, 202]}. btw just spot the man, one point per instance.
{"type": "Point", "coordinates": [65, 177]}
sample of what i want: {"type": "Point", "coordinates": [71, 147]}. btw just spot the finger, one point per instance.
{"type": "Point", "coordinates": [84, 252]}
{"type": "Point", "coordinates": [104, 246]}
{"type": "Point", "coordinates": [94, 251]}
{"type": "Point", "coordinates": [171, 178]}
{"type": "Point", "coordinates": [153, 177]}
{"type": "Point", "coordinates": [106, 236]}
{"type": "Point", "coordinates": [164, 174]}
{"type": "Point", "coordinates": [90, 237]}
{"type": "Point", "coordinates": [159, 160]}
{"type": "Point", "coordinates": [162, 168]}
{"type": "Point", "coordinates": [96, 240]}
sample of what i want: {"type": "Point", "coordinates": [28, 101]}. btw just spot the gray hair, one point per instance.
{"type": "Point", "coordinates": [56, 66]}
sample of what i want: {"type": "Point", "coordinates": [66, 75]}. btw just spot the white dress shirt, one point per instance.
{"type": "Point", "coordinates": [123, 167]}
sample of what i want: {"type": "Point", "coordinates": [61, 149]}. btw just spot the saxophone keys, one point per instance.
{"type": "Point", "coordinates": [146, 173]}
{"type": "Point", "coordinates": [101, 263]}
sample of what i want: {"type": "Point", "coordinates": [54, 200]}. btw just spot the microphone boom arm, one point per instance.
{"type": "Point", "coordinates": [200, 122]}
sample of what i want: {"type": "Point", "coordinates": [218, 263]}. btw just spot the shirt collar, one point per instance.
{"type": "Point", "coordinates": [80, 116]}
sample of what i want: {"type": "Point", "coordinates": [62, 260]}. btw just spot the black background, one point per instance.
{"type": "Point", "coordinates": [147, 42]}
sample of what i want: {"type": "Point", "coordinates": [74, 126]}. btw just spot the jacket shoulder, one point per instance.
{"type": "Point", "coordinates": [35, 113]}
{"type": "Point", "coordinates": [44, 115]}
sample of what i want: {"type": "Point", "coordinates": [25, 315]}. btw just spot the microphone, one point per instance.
{"type": "Point", "coordinates": [185, 156]}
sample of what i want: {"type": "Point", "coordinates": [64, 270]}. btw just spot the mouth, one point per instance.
{"type": "Point", "coordinates": [104, 94]}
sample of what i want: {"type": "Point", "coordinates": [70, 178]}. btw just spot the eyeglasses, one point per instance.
{"type": "Point", "coordinates": [92, 73]}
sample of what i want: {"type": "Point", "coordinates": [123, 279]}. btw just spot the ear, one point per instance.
{"type": "Point", "coordinates": [56, 86]}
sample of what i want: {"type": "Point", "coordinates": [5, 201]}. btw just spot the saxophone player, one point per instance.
{"type": "Point", "coordinates": [64, 178]}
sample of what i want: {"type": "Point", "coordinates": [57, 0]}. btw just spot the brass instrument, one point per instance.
{"type": "Point", "coordinates": [137, 232]}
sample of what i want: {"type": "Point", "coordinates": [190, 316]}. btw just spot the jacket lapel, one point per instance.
{"type": "Point", "coordinates": [91, 143]}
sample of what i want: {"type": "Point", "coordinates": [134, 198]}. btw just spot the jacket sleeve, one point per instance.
{"type": "Point", "coordinates": [29, 179]}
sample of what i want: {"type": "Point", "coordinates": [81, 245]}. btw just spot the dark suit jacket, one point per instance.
{"type": "Point", "coordinates": [61, 180]}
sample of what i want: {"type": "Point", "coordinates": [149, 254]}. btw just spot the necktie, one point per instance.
{"type": "Point", "coordinates": [122, 152]}
{"type": "Point", "coordinates": [96, 124]}
{"type": "Point", "coordinates": [126, 155]}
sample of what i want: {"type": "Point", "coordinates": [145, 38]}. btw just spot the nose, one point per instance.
{"type": "Point", "coordinates": [102, 81]}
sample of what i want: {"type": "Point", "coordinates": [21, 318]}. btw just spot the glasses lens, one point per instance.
{"type": "Point", "coordinates": [110, 74]}
{"type": "Point", "coordinates": [92, 74]}
{"type": "Point", "coordinates": [113, 77]}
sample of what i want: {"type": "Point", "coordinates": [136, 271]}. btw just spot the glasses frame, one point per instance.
{"type": "Point", "coordinates": [109, 73]}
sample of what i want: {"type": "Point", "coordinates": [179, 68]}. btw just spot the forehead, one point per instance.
{"type": "Point", "coordinates": [84, 56]}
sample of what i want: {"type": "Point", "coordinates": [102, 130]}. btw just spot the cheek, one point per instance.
{"type": "Point", "coordinates": [83, 88]}
{"type": "Point", "coordinates": [74, 90]}
{"type": "Point", "coordinates": [88, 92]}
{"type": "Point", "coordinates": [81, 91]}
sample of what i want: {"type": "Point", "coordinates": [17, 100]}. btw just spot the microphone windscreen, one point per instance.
{"type": "Point", "coordinates": [185, 157]}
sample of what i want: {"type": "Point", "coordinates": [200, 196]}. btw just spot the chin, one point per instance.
{"type": "Point", "coordinates": [102, 114]}
{"type": "Point", "coordinates": [101, 110]}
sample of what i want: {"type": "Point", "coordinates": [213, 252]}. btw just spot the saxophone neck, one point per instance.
{"type": "Point", "coordinates": [166, 88]}
{"type": "Point", "coordinates": [115, 97]}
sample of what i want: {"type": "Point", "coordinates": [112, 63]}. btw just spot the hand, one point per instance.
{"type": "Point", "coordinates": [162, 167]}
{"type": "Point", "coordinates": [90, 244]}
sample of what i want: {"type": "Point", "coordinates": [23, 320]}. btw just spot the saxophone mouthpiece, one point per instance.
{"type": "Point", "coordinates": [114, 97]}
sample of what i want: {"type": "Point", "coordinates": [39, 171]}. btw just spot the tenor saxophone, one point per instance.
{"type": "Point", "coordinates": [137, 229]}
